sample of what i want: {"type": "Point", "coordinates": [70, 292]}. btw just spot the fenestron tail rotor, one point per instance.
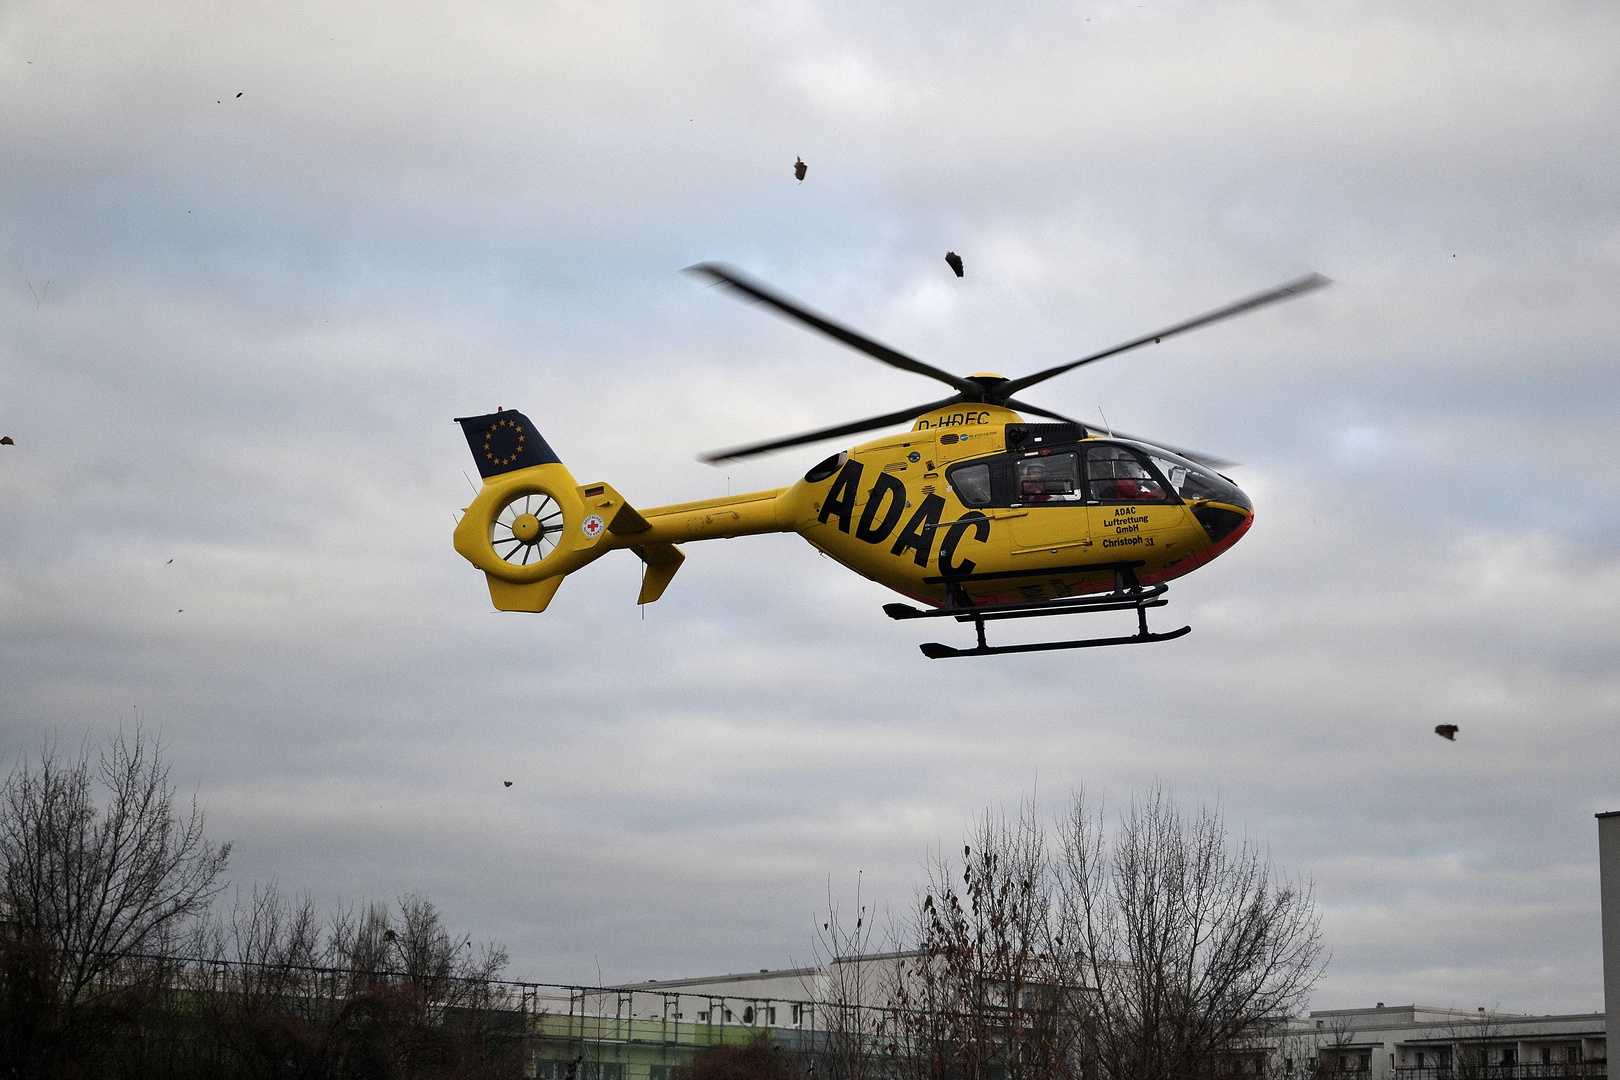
{"type": "Point", "coordinates": [526, 529]}
{"type": "Point", "coordinates": [992, 390]}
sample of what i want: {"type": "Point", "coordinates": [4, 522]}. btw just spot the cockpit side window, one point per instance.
{"type": "Point", "coordinates": [1115, 474]}
{"type": "Point", "coordinates": [971, 484]}
{"type": "Point", "coordinates": [1047, 478]}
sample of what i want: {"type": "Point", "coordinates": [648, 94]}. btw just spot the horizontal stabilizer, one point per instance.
{"type": "Point", "coordinates": [662, 561]}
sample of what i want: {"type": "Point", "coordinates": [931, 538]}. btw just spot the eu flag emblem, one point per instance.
{"type": "Point", "coordinates": [502, 442]}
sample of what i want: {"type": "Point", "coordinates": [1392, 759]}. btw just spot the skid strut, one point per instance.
{"type": "Point", "coordinates": [1128, 594]}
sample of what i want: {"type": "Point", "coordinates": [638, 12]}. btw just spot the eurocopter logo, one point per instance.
{"type": "Point", "coordinates": [503, 442]}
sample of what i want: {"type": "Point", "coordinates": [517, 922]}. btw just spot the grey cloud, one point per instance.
{"type": "Point", "coordinates": [423, 214]}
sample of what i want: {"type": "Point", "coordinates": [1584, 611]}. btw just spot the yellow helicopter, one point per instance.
{"type": "Point", "coordinates": [974, 513]}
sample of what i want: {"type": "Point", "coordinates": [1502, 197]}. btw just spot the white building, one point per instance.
{"type": "Point", "coordinates": [1417, 1042]}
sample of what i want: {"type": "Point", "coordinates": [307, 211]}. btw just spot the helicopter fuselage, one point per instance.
{"type": "Point", "coordinates": [972, 509]}
{"type": "Point", "coordinates": [974, 506]}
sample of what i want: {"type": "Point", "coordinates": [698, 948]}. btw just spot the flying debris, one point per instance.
{"type": "Point", "coordinates": [239, 95]}
{"type": "Point", "coordinates": [5, 440]}
{"type": "Point", "coordinates": [954, 260]}
{"type": "Point", "coordinates": [508, 783]}
{"type": "Point", "coordinates": [800, 168]}
{"type": "Point", "coordinates": [1447, 732]}
{"type": "Point", "coordinates": [169, 563]}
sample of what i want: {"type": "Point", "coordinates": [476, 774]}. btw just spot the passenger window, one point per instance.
{"type": "Point", "coordinates": [1116, 475]}
{"type": "Point", "coordinates": [1051, 478]}
{"type": "Point", "coordinates": [971, 484]}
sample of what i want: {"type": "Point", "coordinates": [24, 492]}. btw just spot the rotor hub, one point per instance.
{"type": "Point", "coordinates": [526, 527]}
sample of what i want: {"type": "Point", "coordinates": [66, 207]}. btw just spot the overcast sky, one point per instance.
{"type": "Point", "coordinates": [255, 256]}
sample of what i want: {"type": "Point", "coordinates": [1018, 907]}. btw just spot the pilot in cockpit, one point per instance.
{"type": "Point", "coordinates": [1032, 482]}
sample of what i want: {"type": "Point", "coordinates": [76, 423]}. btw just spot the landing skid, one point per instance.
{"type": "Point", "coordinates": [1127, 595]}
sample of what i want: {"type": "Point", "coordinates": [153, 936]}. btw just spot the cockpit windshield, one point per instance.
{"type": "Point", "coordinates": [1194, 482]}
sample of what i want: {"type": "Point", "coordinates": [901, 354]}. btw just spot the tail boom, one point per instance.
{"type": "Point", "coordinates": [581, 522]}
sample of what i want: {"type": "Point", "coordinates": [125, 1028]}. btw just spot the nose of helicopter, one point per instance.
{"type": "Point", "coordinates": [1224, 523]}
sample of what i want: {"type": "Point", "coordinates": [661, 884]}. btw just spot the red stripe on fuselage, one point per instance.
{"type": "Point", "coordinates": [1193, 562]}
{"type": "Point", "coordinates": [1176, 569]}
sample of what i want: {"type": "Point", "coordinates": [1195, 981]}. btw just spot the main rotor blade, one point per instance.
{"type": "Point", "coordinates": [1216, 463]}
{"type": "Point", "coordinates": [737, 453]}
{"type": "Point", "coordinates": [1298, 287]}
{"type": "Point", "coordinates": [1022, 406]}
{"type": "Point", "coordinates": [735, 279]}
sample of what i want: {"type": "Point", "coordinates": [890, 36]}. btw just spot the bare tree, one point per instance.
{"type": "Point", "coordinates": [1160, 952]}
{"type": "Point", "coordinates": [986, 995]}
{"type": "Point", "coordinates": [102, 869]}
{"type": "Point", "coordinates": [1194, 948]}
{"type": "Point", "coordinates": [851, 977]}
{"type": "Point", "coordinates": [1334, 1055]}
{"type": "Point", "coordinates": [1472, 1039]}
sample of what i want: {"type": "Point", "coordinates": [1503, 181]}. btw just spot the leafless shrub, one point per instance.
{"type": "Point", "coordinates": [760, 1059]}
{"type": "Point", "coordinates": [987, 996]}
{"type": "Point", "coordinates": [372, 991]}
